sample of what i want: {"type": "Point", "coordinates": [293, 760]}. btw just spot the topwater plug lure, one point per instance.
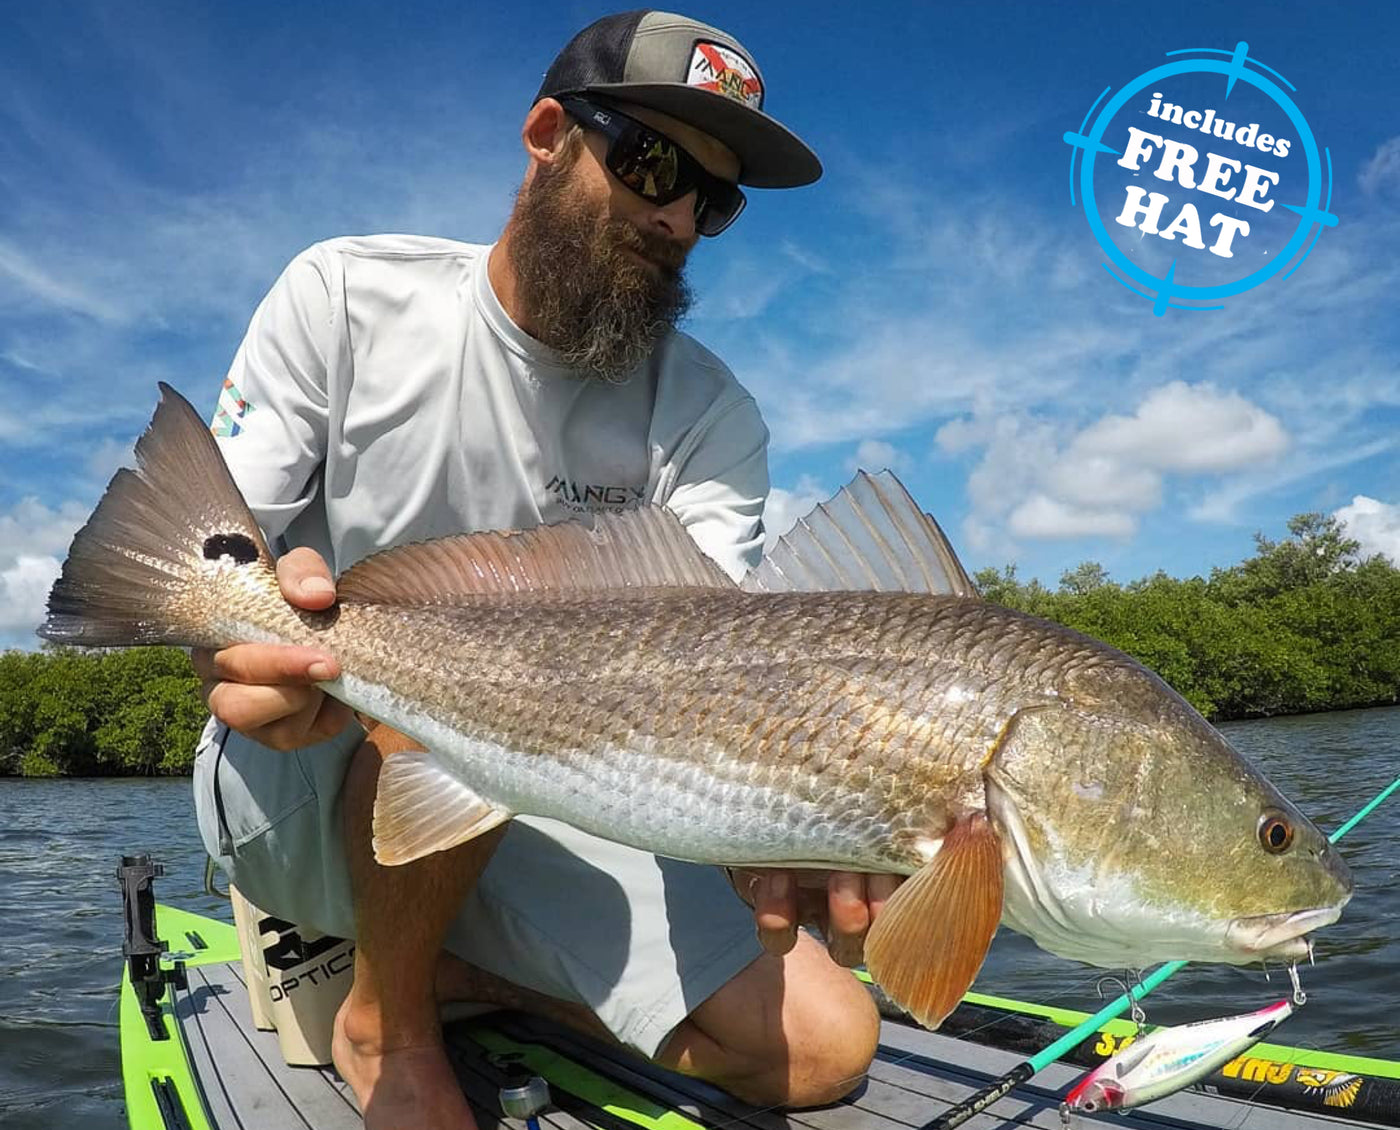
{"type": "Point", "coordinates": [1169, 1059]}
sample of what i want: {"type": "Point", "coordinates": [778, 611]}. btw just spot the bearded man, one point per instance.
{"type": "Point", "coordinates": [396, 388]}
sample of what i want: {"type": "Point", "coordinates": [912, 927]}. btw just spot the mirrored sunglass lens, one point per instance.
{"type": "Point", "coordinates": [720, 208]}
{"type": "Point", "coordinates": [650, 166]}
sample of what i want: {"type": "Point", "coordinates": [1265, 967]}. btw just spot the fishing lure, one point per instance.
{"type": "Point", "coordinates": [1168, 1059]}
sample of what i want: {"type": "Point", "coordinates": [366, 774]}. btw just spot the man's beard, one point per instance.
{"type": "Point", "coordinates": [583, 294]}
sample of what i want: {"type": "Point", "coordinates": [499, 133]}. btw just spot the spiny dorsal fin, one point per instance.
{"type": "Point", "coordinates": [646, 548]}
{"type": "Point", "coordinates": [870, 537]}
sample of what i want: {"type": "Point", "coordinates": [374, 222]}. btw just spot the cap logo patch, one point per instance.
{"type": "Point", "coordinates": [716, 68]}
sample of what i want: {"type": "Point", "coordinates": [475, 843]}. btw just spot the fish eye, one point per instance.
{"type": "Point", "coordinates": [1275, 833]}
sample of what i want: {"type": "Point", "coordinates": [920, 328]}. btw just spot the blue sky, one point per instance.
{"type": "Point", "coordinates": [934, 303]}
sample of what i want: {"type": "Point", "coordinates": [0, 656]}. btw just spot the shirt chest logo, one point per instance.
{"type": "Point", "coordinates": [584, 497]}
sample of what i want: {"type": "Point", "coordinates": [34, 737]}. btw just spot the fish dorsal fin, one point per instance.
{"type": "Point", "coordinates": [870, 537]}
{"type": "Point", "coordinates": [645, 548]}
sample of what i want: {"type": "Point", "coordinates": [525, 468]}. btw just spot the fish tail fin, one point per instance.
{"type": "Point", "coordinates": [158, 540]}
{"type": "Point", "coordinates": [931, 938]}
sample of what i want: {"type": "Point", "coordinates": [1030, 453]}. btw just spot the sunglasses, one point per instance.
{"type": "Point", "coordinates": [657, 169]}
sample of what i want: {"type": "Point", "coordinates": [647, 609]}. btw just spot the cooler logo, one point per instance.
{"type": "Point", "coordinates": [722, 71]}
{"type": "Point", "coordinates": [228, 417]}
{"type": "Point", "coordinates": [290, 949]}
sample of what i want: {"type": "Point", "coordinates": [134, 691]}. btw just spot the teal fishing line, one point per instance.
{"type": "Point", "coordinates": [1355, 820]}
{"type": "Point", "coordinates": [1076, 1036]}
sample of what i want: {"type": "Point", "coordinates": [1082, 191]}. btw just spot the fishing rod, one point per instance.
{"type": "Point", "coordinates": [998, 1088]}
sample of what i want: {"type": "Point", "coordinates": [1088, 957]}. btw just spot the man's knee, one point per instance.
{"type": "Point", "coordinates": [792, 1031]}
{"type": "Point", "coordinates": [832, 1034]}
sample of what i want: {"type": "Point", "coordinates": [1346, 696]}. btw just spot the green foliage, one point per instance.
{"type": "Point", "coordinates": [1084, 578]}
{"type": "Point", "coordinates": [1303, 625]}
{"type": "Point", "coordinates": [74, 712]}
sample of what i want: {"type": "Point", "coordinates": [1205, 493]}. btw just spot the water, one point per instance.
{"type": "Point", "coordinates": [61, 921]}
{"type": "Point", "coordinates": [60, 917]}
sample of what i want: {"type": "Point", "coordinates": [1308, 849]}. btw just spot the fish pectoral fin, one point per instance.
{"type": "Point", "coordinates": [931, 938]}
{"type": "Point", "coordinates": [421, 808]}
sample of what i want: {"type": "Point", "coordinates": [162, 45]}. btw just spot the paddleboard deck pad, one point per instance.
{"type": "Point", "coordinates": [203, 1065]}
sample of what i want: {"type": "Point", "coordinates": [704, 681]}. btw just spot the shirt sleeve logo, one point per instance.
{"type": "Point", "coordinates": [233, 408]}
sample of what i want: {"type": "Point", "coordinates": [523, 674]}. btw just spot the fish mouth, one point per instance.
{"type": "Point", "coordinates": [1279, 935]}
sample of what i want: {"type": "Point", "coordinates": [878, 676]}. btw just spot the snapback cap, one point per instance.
{"type": "Point", "coordinates": [696, 74]}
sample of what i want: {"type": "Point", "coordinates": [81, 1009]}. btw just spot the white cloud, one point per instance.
{"type": "Point", "coordinates": [33, 528]}
{"type": "Point", "coordinates": [1042, 517]}
{"type": "Point", "coordinates": [107, 457]}
{"type": "Point", "coordinates": [962, 434]}
{"type": "Point", "coordinates": [1037, 479]}
{"type": "Point", "coordinates": [1097, 481]}
{"type": "Point", "coordinates": [1375, 524]}
{"type": "Point", "coordinates": [744, 289]}
{"type": "Point", "coordinates": [785, 507]}
{"type": "Point", "coordinates": [24, 591]}
{"type": "Point", "coordinates": [1019, 451]}
{"type": "Point", "coordinates": [805, 258]}
{"type": "Point", "coordinates": [1001, 350]}
{"type": "Point", "coordinates": [1183, 427]}
{"type": "Point", "coordinates": [21, 362]}
{"type": "Point", "coordinates": [1382, 172]}
{"type": "Point", "coordinates": [33, 541]}
{"type": "Point", "coordinates": [877, 455]}
{"type": "Point", "coordinates": [1223, 503]}
{"type": "Point", "coordinates": [29, 285]}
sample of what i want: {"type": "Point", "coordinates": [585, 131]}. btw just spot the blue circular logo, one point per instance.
{"type": "Point", "coordinates": [1163, 290]}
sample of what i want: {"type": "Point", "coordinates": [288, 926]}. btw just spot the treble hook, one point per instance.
{"type": "Point", "coordinates": [1138, 1015]}
{"type": "Point", "coordinates": [1300, 998]}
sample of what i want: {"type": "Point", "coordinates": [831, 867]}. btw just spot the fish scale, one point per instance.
{"type": "Point", "coordinates": [697, 691]}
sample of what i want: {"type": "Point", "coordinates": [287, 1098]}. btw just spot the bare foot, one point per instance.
{"type": "Point", "coordinates": [398, 1088]}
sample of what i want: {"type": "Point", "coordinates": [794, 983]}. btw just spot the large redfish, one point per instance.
{"type": "Point", "coordinates": [612, 676]}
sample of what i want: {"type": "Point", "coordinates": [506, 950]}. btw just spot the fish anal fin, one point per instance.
{"type": "Point", "coordinates": [421, 808]}
{"type": "Point", "coordinates": [931, 938]}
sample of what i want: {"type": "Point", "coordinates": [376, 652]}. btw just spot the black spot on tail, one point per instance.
{"type": "Point", "coordinates": [238, 546]}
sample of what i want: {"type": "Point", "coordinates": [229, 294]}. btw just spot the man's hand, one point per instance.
{"type": "Point", "coordinates": [267, 692]}
{"type": "Point", "coordinates": [841, 904]}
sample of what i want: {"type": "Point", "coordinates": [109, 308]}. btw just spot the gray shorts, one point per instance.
{"type": "Point", "coordinates": [640, 940]}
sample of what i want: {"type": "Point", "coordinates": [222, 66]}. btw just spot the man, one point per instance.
{"type": "Point", "coordinates": [392, 389]}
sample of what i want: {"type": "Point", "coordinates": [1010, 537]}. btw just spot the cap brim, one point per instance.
{"type": "Point", "coordinates": [770, 155]}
